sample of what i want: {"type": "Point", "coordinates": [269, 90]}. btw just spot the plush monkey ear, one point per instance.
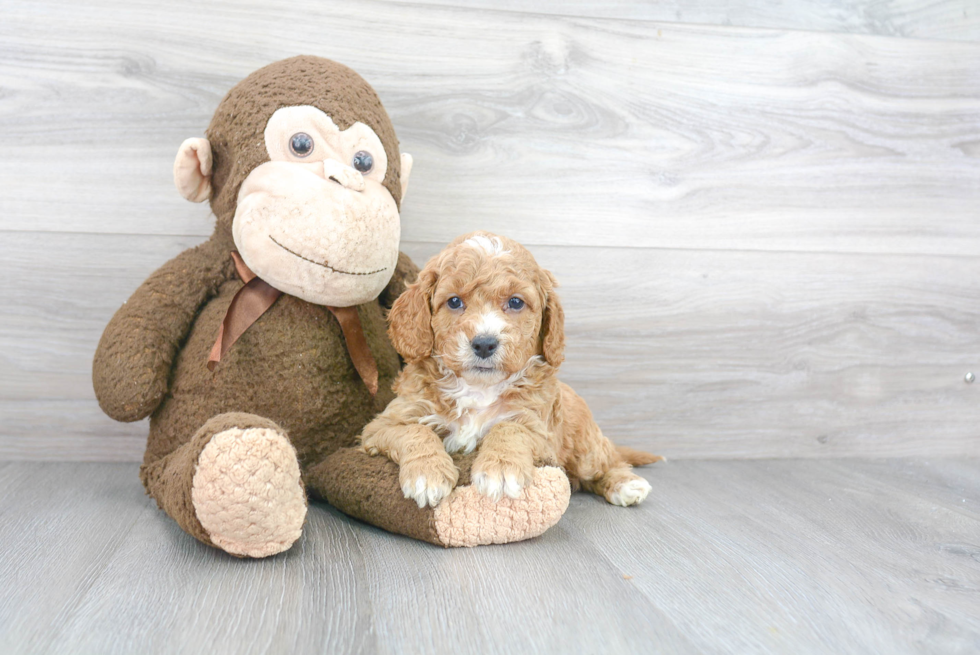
{"type": "Point", "coordinates": [192, 170]}
{"type": "Point", "coordinates": [553, 326]}
{"type": "Point", "coordinates": [410, 319]}
{"type": "Point", "coordinates": [406, 171]}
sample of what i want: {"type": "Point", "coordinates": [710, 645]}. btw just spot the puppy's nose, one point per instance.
{"type": "Point", "coordinates": [484, 345]}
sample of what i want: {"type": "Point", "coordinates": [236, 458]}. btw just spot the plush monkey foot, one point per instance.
{"type": "Point", "coordinates": [468, 518]}
{"type": "Point", "coordinates": [367, 488]}
{"type": "Point", "coordinates": [247, 492]}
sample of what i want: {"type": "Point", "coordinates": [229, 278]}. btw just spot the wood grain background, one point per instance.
{"type": "Point", "coordinates": [764, 218]}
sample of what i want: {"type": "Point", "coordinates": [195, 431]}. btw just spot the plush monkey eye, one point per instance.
{"type": "Point", "coordinates": [301, 144]}
{"type": "Point", "coordinates": [515, 303]}
{"type": "Point", "coordinates": [454, 303]}
{"type": "Point", "coordinates": [362, 162]}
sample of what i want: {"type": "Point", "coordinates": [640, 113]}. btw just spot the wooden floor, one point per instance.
{"type": "Point", "coordinates": [776, 556]}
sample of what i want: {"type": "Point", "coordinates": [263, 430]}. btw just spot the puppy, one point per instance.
{"type": "Point", "coordinates": [481, 332]}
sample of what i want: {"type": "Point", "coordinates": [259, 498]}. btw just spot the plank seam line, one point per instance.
{"type": "Point", "coordinates": [532, 244]}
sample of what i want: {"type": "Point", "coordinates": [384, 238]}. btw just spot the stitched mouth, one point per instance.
{"type": "Point", "coordinates": [326, 266]}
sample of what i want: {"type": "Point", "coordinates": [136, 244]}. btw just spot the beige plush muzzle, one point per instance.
{"type": "Point", "coordinates": [307, 222]}
{"type": "Point", "coordinates": [327, 236]}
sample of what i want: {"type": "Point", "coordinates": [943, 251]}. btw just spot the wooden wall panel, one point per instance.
{"type": "Point", "coordinates": [553, 130]}
{"type": "Point", "coordinates": [767, 238]}
{"type": "Point", "coordinates": [686, 353]}
{"type": "Point", "coordinates": [954, 20]}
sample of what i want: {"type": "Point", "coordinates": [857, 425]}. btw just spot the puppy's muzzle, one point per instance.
{"type": "Point", "coordinates": [484, 345]}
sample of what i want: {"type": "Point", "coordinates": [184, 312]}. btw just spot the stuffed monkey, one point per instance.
{"type": "Point", "coordinates": [260, 354]}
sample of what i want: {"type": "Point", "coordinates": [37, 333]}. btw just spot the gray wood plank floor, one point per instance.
{"type": "Point", "coordinates": [767, 556]}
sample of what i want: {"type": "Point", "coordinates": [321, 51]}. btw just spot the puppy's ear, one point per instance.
{"type": "Point", "coordinates": [552, 325]}
{"type": "Point", "coordinates": [410, 319]}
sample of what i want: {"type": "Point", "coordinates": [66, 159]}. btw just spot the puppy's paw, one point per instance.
{"type": "Point", "coordinates": [629, 492]}
{"type": "Point", "coordinates": [495, 476]}
{"type": "Point", "coordinates": [427, 480]}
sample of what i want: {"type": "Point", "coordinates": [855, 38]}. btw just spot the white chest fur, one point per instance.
{"type": "Point", "coordinates": [475, 409]}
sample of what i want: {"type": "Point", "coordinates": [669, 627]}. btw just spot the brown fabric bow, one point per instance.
{"type": "Point", "coordinates": [257, 296]}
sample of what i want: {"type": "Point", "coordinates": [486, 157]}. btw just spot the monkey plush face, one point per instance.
{"type": "Point", "coordinates": [315, 221]}
{"type": "Point", "coordinates": [316, 214]}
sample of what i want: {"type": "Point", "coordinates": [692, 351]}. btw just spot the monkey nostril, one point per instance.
{"type": "Point", "coordinates": [335, 180]}
{"type": "Point", "coordinates": [484, 345]}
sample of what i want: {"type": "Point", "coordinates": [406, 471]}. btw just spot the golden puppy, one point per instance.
{"type": "Point", "coordinates": [482, 334]}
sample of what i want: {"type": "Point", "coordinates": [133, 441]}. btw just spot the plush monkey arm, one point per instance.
{"type": "Point", "coordinates": [406, 272]}
{"type": "Point", "coordinates": [132, 362]}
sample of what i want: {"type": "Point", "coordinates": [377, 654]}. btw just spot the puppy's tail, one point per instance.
{"type": "Point", "coordinates": [638, 457]}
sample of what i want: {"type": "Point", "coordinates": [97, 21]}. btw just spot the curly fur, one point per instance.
{"type": "Point", "coordinates": [510, 405]}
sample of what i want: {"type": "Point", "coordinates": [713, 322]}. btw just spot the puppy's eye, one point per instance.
{"type": "Point", "coordinates": [455, 303]}
{"type": "Point", "coordinates": [301, 144]}
{"type": "Point", "coordinates": [363, 161]}
{"type": "Point", "coordinates": [515, 303]}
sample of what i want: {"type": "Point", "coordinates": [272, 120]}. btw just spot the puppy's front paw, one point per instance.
{"type": "Point", "coordinates": [427, 480]}
{"type": "Point", "coordinates": [495, 475]}
{"type": "Point", "coordinates": [630, 492]}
